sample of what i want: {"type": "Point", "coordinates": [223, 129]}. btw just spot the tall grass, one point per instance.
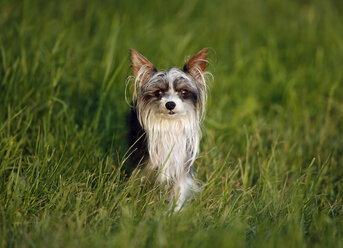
{"type": "Point", "coordinates": [272, 148]}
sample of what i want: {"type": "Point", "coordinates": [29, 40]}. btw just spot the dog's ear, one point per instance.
{"type": "Point", "coordinates": [196, 65]}
{"type": "Point", "coordinates": [141, 66]}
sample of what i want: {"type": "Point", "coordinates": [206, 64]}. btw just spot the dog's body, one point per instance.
{"type": "Point", "coordinates": [169, 106]}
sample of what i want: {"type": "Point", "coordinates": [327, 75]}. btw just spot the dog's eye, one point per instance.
{"type": "Point", "coordinates": [184, 92]}
{"type": "Point", "coordinates": [158, 93]}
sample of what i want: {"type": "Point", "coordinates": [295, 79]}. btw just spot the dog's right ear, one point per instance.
{"type": "Point", "coordinates": [141, 67]}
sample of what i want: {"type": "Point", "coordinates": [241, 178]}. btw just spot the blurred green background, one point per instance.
{"type": "Point", "coordinates": [272, 148]}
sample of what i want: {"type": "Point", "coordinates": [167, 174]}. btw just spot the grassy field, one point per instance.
{"type": "Point", "coordinates": [272, 148]}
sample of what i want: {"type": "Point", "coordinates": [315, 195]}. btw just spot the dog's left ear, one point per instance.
{"type": "Point", "coordinates": [196, 66]}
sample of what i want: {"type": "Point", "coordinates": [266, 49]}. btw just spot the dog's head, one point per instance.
{"type": "Point", "coordinates": [171, 94]}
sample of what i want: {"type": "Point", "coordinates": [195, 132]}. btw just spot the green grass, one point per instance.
{"type": "Point", "coordinates": [272, 148]}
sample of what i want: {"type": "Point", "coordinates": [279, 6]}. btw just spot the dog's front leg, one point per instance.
{"type": "Point", "coordinates": [183, 190]}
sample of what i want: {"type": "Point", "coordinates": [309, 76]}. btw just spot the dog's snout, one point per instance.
{"type": "Point", "coordinates": [170, 105]}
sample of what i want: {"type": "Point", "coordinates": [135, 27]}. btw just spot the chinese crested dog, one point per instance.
{"type": "Point", "coordinates": [168, 109]}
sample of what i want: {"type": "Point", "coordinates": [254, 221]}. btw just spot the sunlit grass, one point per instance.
{"type": "Point", "coordinates": [272, 147]}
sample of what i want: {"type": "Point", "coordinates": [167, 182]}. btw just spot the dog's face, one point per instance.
{"type": "Point", "coordinates": [170, 94]}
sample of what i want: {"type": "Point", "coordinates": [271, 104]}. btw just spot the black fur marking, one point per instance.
{"type": "Point", "coordinates": [137, 139]}
{"type": "Point", "coordinates": [192, 92]}
{"type": "Point", "coordinates": [149, 92]}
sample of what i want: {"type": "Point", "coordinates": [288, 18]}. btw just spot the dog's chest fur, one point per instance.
{"type": "Point", "coordinates": [173, 147]}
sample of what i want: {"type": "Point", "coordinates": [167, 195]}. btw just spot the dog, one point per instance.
{"type": "Point", "coordinates": [168, 109]}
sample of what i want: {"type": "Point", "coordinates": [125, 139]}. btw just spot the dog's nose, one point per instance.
{"type": "Point", "coordinates": [170, 105]}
